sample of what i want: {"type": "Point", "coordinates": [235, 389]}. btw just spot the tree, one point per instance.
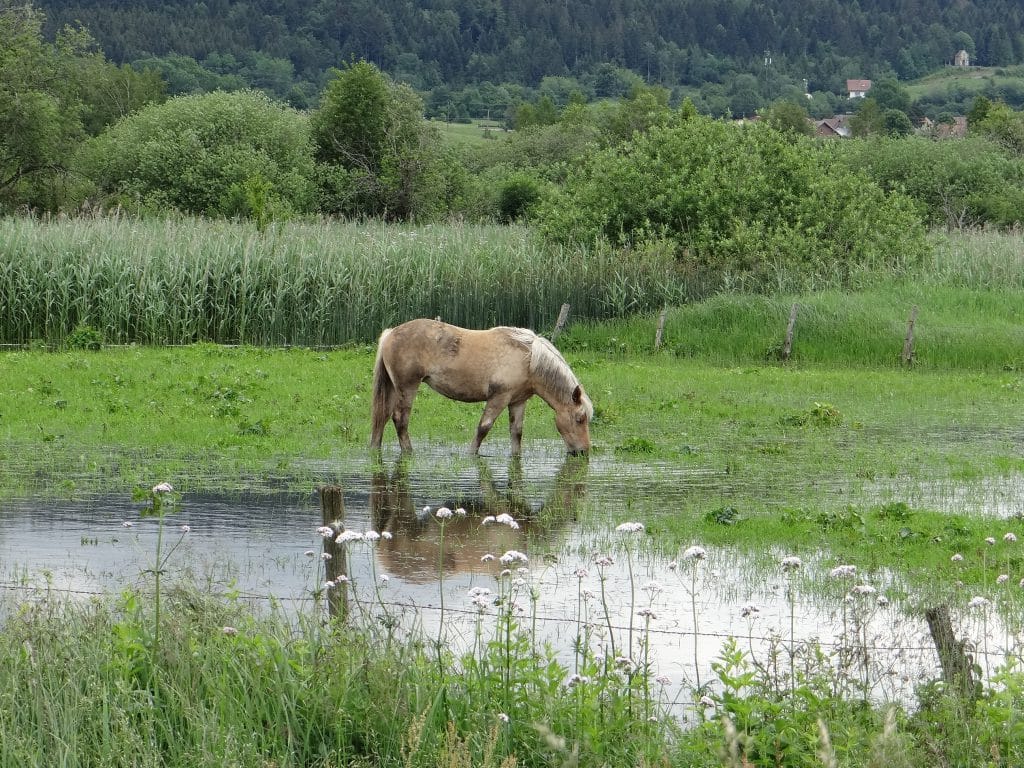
{"type": "Point", "coordinates": [869, 119]}
{"type": "Point", "coordinates": [789, 117]}
{"type": "Point", "coordinates": [39, 109]}
{"type": "Point", "coordinates": [377, 155]}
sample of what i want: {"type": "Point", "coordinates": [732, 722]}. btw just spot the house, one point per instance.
{"type": "Point", "coordinates": [837, 127]}
{"type": "Point", "coordinates": [858, 89]}
{"type": "Point", "coordinates": [962, 59]}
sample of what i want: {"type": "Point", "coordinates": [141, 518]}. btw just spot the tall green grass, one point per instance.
{"type": "Point", "coordinates": [305, 283]}
{"type": "Point", "coordinates": [970, 315]}
{"type": "Point", "coordinates": [179, 281]}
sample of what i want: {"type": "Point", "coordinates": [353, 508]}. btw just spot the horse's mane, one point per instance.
{"type": "Point", "coordinates": [547, 363]}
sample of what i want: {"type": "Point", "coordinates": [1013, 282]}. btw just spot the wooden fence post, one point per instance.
{"type": "Point", "coordinates": [957, 669]}
{"type": "Point", "coordinates": [908, 341]}
{"type": "Point", "coordinates": [332, 507]}
{"type": "Point", "coordinates": [787, 345]}
{"type": "Point", "coordinates": [563, 316]}
{"type": "Point", "coordinates": [661, 328]}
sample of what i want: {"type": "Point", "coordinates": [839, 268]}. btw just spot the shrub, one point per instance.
{"type": "Point", "coordinates": [196, 153]}
{"type": "Point", "coordinates": [735, 201]}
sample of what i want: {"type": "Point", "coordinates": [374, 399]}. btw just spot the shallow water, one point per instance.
{"type": "Point", "coordinates": [264, 544]}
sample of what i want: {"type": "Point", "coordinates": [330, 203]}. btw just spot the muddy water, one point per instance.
{"type": "Point", "coordinates": [581, 576]}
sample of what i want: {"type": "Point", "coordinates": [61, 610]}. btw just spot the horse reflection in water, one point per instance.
{"type": "Point", "coordinates": [415, 546]}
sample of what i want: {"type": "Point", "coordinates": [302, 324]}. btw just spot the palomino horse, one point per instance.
{"type": "Point", "coordinates": [503, 366]}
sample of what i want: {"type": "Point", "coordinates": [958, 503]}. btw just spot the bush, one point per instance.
{"type": "Point", "coordinates": [199, 154]}
{"type": "Point", "coordinates": [735, 201]}
{"type": "Point", "coordinates": [956, 183]}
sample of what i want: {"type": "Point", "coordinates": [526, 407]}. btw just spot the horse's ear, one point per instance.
{"type": "Point", "coordinates": [577, 395]}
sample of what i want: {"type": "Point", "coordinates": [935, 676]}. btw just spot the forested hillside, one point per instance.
{"type": "Point", "coordinates": [441, 46]}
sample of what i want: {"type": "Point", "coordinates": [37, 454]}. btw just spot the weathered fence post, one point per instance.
{"type": "Point", "coordinates": [957, 669]}
{"type": "Point", "coordinates": [563, 316]}
{"type": "Point", "coordinates": [787, 345]}
{"type": "Point", "coordinates": [661, 328]}
{"type": "Point", "coordinates": [908, 341]}
{"type": "Point", "coordinates": [332, 507]}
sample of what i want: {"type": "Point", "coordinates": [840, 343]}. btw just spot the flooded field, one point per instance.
{"type": "Point", "coordinates": [540, 535]}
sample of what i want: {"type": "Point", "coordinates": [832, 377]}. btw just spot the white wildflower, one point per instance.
{"type": "Point", "coordinates": [694, 553]}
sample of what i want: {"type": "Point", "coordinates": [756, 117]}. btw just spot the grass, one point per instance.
{"type": "Point", "coordinates": [841, 452]}
{"type": "Point", "coordinates": [476, 133]}
{"type": "Point", "coordinates": [303, 283]}
{"type": "Point", "coordinates": [970, 81]}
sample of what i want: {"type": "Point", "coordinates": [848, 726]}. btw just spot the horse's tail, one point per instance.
{"type": "Point", "coordinates": [383, 394]}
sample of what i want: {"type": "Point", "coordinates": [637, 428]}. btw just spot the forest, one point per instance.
{"type": "Point", "coordinates": [477, 58]}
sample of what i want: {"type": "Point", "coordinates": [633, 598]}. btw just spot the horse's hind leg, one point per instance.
{"type": "Point", "coordinates": [400, 417]}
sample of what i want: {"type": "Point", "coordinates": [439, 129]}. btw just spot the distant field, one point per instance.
{"type": "Point", "coordinates": [969, 80]}
{"type": "Point", "coordinates": [477, 132]}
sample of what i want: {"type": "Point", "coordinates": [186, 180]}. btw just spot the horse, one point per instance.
{"type": "Point", "coordinates": [503, 367]}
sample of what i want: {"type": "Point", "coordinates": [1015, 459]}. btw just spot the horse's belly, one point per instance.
{"type": "Point", "coordinates": [456, 390]}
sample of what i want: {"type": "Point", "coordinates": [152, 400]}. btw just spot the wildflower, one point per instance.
{"type": "Point", "coordinates": [310, 553]}
{"type": "Point", "coordinates": [186, 528]}
{"type": "Point", "coordinates": [425, 511]}
{"type": "Point", "coordinates": [1010, 536]}
{"type": "Point", "coordinates": [371, 536]}
{"type": "Point", "coordinates": [163, 488]}
{"type": "Point", "coordinates": [624, 662]}
{"type": "Point", "coordinates": [340, 579]}
{"type": "Point", "coordinates": [505, 572]}
{"type": "Point", "coordinates": [694, 553]}
{"type": "Point", "coordinates": [384, 579]}
{"type": "Point", "coordinates": [503, 717]}
{"type": "Point", "coordinates": [127, 524]}
{"type": "Point", "coordinates": [602, 561]}
{"type": "Point", "coordinates": [673, 565]}
{"type": "Point", "coordinates": [843, 571]}
{"type": "Point", "coordinates": [1002, 578]}
{"type": "Point", "coordinates": [662, 679]}
{"type": "Point", "coordinates": [347, 536]}
{"type": "Point", "coordinates": [487, 558]}
{"type": "Point", "coordinates": [652, 588]}
{"type": "Point", "coordinates": [329, 584]}
{"type": "Point", "coordinates": [386, 535]}
{"type": "Point", "coordinates": [990, 540]}
{"type": "Point", "coordinates": [326, 555]}
{"type": "Point", "coordinates": [1021, 585]}
{"type": "Point", "coordinates": [577, 679]}
{"type": "Point", "coordinates": [957, 558]}
{"type": "Point", "coordinates": [979, 602]}
{"type": "Point", "coordinates": [514, 556]}
{"type": "Point", "coordinates": [863, 589]}
{"type": "Point", "coordinates": [647, 613]}
{"type": "Point", "coordinates": [443, 513]}
{"type": "Point", "coordinates": [460, 511]}
{"type": "Point", "coordinates": [749, 611]}
{"type": "Point", "coordinates": [581, 573]}
{"type": "Point", "coordinates": [882, 601]}
{"type": "Point", "coordinates": [630, 527]}
{"type": "Point", "coordinates": [791, 563]}
{"type": "Point", "coordinates": [476, 592]}
{"type": "Point", "coordinates": [707, 701]}
{"type": "Point", "coordinates": [229, 631]}
{"type": "Point", "coordinates": [325, 531]}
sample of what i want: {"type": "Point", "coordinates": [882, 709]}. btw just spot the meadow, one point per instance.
{"type": "Point", "coordinates": [843, 455]}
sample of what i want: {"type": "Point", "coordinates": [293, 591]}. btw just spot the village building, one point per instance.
{"type": "Point", "coordinates": [858, 89]}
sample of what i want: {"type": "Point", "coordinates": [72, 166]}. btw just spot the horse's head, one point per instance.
{"type": "Point", "coordinates": [573, 421]}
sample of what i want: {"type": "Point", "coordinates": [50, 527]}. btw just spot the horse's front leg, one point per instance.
{"type": "Point", "coordinates": [516, 415]}
{"type": "Point", "coordinates": [491, 411]}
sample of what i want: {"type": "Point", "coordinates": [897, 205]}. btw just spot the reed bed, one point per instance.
{"type": "Point", "coordinates": [319, 283]}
